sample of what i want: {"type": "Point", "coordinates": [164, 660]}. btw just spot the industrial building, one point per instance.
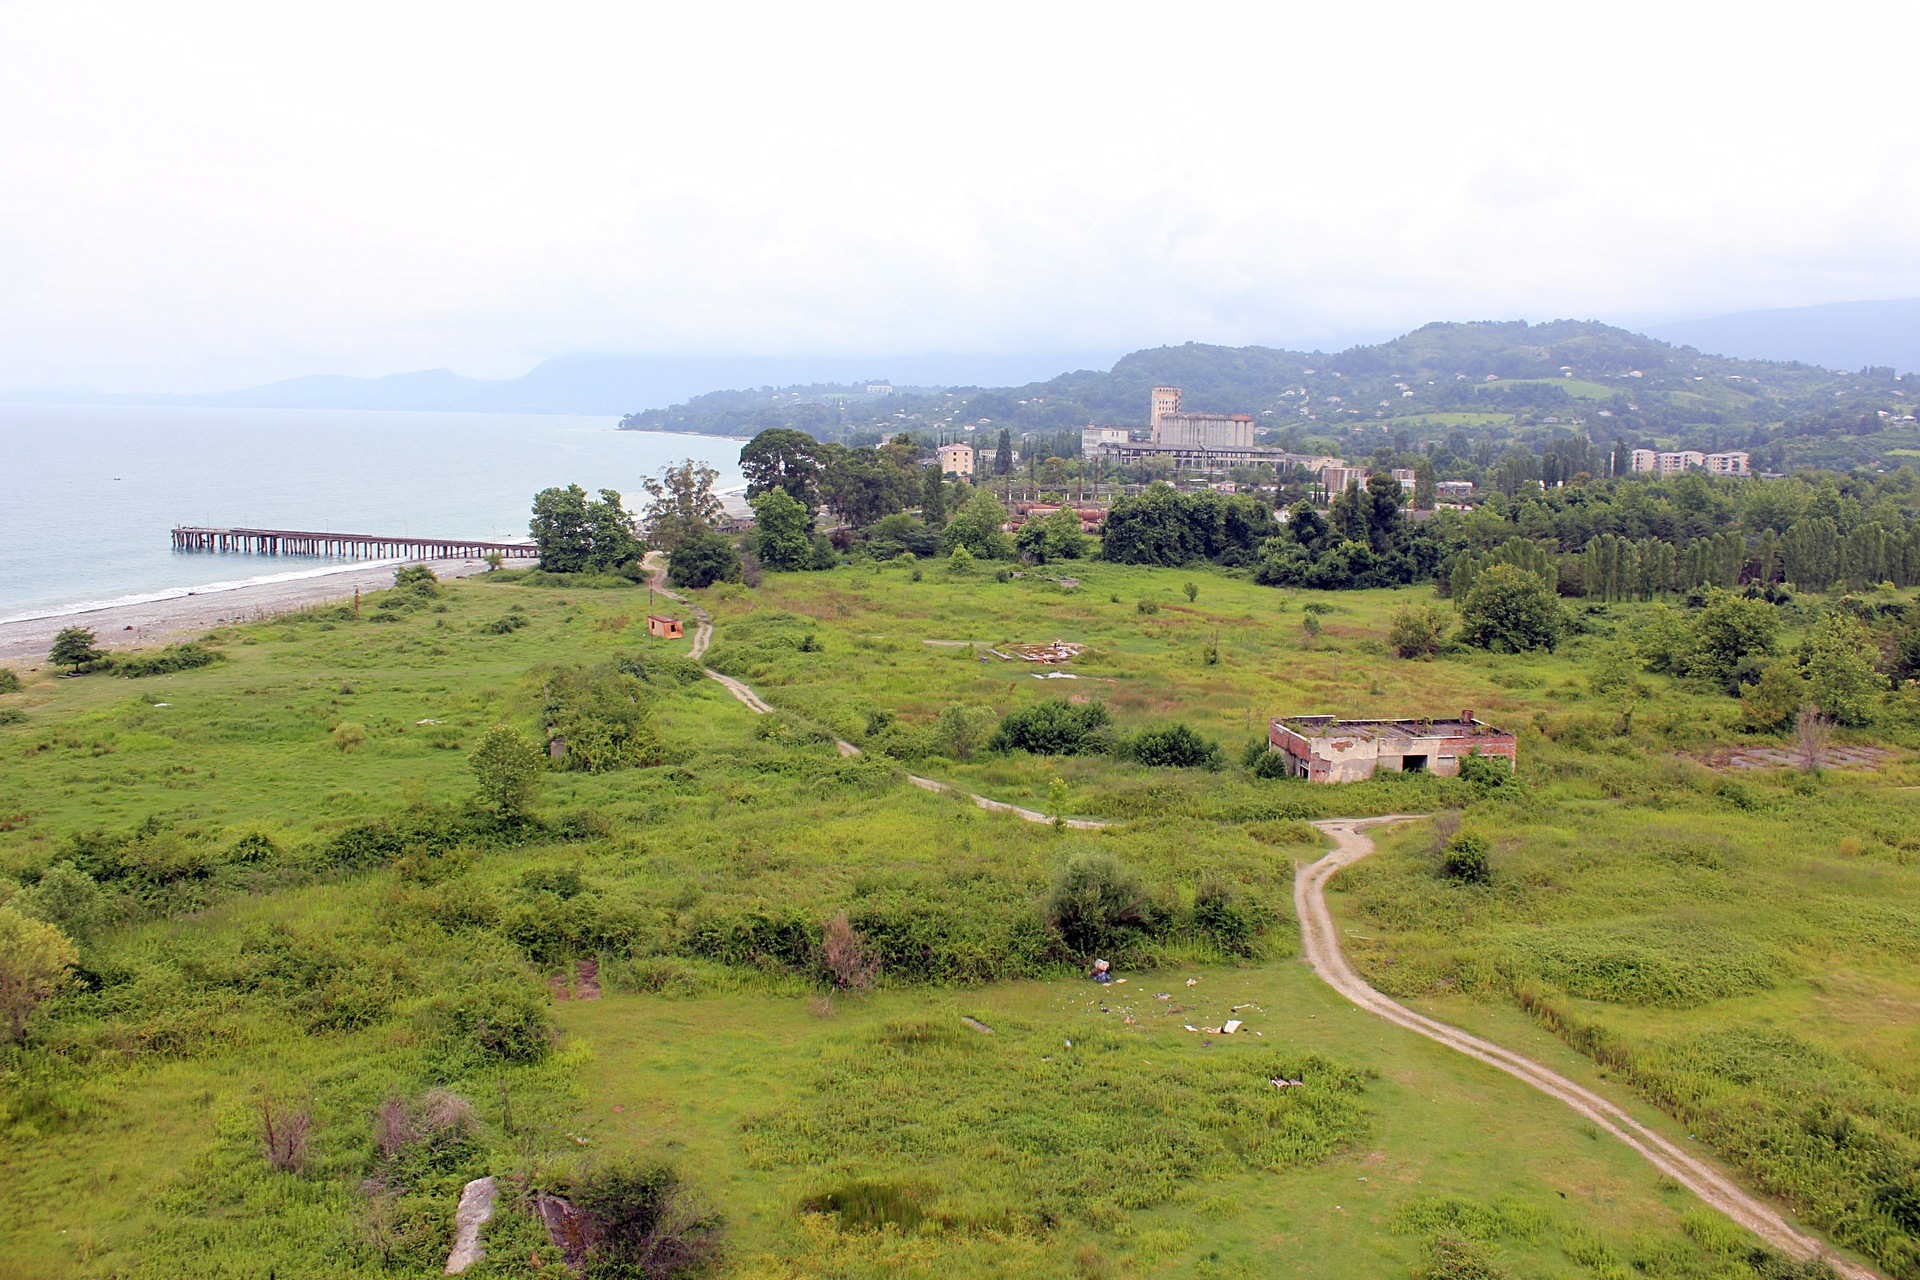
{"type": "Point", "coordinates": [1201, 441]}
{"type": "Point", "coordinates": [1327, 749]}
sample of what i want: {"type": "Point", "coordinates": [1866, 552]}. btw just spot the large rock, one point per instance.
{"type": "Point", "coordinates": [476, 1210]}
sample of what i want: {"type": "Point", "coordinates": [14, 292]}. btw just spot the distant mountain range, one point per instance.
{"type": "Point", "coordinates": [1838, 335]}
{"type": "Point", "coordinates": [586, 384]}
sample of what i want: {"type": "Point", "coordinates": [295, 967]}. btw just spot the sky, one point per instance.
{"type": "Point", "coordinates": [199, 196]}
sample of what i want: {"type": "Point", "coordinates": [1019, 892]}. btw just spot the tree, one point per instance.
{"type": "Point", "coordinates": [577, 534]}
{"type": "Point", "coordinates": [933, 497]}
{"type": "Point", "coordinates": [681, 503]}
{"type": "Point", "coordinates": [1003, 455]}
{"type": "Point", "coordinates": [976, 526]}
{"type": "Point", "coordinates": [1769, 704]}
{"type": "Point", "coordinates": [1055, 536]}
{"type": "Point", "coordinates": [781, 458]}
{"type": "Point", "coordinates": [782, 530]}
{"type": "Point", "coordinates": [36, 960]}
{"type": "Point", "coordinates": [962, 730]}
{"type": "Point", "coordinates": [1424, 486]}
{"type": "Point", "coordinates": [560, 530]}
{"type": "Point", "coordinates": [863, 485]}
{"type": "Point", "coordinates": [1728, 631]}
{"type": "Point", "coordinates": [1509, 610]}
{"type": "Point", "coordinates": [65, 897]}
{"type": "Point", "coordinates": [73, 647]}
{"type": "Point", "coordinates": [1840, 679]}
{"type": "Point", "coordinates": [508, 768]}
{"type": "Point", "coordinates": [703, 558]}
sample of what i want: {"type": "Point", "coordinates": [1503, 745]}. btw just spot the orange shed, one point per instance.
{"type": "Point", "coordinates": [665, 628]}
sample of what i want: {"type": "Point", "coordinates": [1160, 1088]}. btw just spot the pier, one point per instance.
{"type": "Point", "coordinates": [301, 542]}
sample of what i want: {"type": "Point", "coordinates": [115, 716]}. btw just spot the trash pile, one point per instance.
{"type": "Point", "coordinates": [1058, 651]}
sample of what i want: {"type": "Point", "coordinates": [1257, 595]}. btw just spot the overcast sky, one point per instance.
{"type": "Point", "coordinates": [198, 196]}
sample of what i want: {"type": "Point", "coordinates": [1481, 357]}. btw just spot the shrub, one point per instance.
{"type": "Point", "coordinates": [872, 1205]}
{"type": "Point", "coordinates": [602, 717]}
{"type": "Point", "coordinates": [962, 730]}
{"type": "Point", "coordinates": [1220, 915]}
{"type": "Point", "coordinates": [1509, 610]}
{"type": "Point", "coordinates": [1418, 631]}
{"type": "Point", "coordinates": [419, 578]}
{"type": "Point", "coordinates": [175, 657]}
{"type": "Point", "coordinates": [1095, 903]}
{"type": "Point", "coordinates": [508, 768]}
{"type": "Point", "coordinates": [1769, 704]}
{"type": "Point", "coordinates": [66, 897]}
{"type": "Point", "coordinates": [1840, 679]}
{"type": "Point", "coordinates": [1175, 747]}
{"type": "Point", "coordinates": [1466, 859]}
{"type": "Point", "coordinates": [845, 955]}
{"type": "Point", "coordinates": [1057, 727]}
{"type": "Point", "coordinates": [504, 625]}
{"type": "Point", "coordinates": [1146, 606]}
{"type": "Point", "coordinates": [35, 962]}
{"type": "Point", "coordinates": [9, 681]}
{"type": "Point", "coordinates": [643, 1223]}
{"type": "Point", "coordinates": [347, 735]}
{"type": "Point", "coordinates": [284, 1133]}
{"type": "Point", "coordinates": [1487, 775]}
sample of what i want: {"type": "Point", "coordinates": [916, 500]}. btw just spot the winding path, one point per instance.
{"type": "Point", "coordinates": [703, 636]}
{"type": "Point", "coordinates": [1700, 1176]}
{"type": "Point", "coordinates": [1322, 947]}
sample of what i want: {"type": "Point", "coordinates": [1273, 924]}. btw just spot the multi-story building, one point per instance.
{"type": "Point", "coordinates": [1405, 476]}
{"type": "Point", "coordinates": [1336, 479]}
{"type": "Point", "coordinates": [1453, 488]}
{"type": "Point", "coordinates": [956, 460]}
{"type": "Point", "coordinates": [1646, 460]}
{"type": "Point", "coordinates": [1728, 464]}
{"type": "Point", "coordinates": [1091, 437]}
{"type": "Point", "coordinates": [1672, 464]}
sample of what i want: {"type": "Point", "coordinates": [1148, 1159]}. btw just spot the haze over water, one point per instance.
{"type": "Point", "coordinates": [89, 495]}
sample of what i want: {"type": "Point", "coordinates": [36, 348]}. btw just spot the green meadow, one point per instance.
{"type": "Point", "coordinates": [290, 909]}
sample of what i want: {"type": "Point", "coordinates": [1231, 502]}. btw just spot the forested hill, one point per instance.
{"type": "Point", "coordinates": [1508, 380]}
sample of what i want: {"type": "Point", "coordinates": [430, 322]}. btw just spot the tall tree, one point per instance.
{"type": "Point", "coordinates": [681, 504]}
{"type": "Point", "coordinates": [781, 458]}
{"type": "Point", "coordinates": [576, 534]}
{"type": "Point", "coordinates": [781, 531]}
{"type": "Point", "coordinates": [863, 485]}
{"type": "Point", "coordinates": [933, 498]}
{"type": "Point", "coordinates": [1003, 454]}
{"type": "Point", "coordinates": [73, 647]}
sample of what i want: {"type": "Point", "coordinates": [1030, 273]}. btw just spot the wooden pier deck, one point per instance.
{"type": "Point", "coordinates": [302, 542]}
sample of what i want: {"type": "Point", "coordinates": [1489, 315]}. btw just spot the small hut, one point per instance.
{"type": "Point", "coordinates": [665, 628]}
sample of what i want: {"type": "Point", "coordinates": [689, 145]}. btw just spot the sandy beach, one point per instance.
{"type": "Point", "coordinates": [131, 626]}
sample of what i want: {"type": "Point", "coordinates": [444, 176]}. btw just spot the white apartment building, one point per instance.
{"type": "Point", "coordinates": [1336, 479]}
{"type": "Point", "coordinates": [1729, 464]}
{"type": "Point", "coordinates": [1092, 438]}
{"type": "Point", "coordinates": [1734, 463]}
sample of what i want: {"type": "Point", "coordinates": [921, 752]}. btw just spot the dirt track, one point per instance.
{"type": "Point", "coordinates": [758, 705]}
{"type": "Point", "coordinates": [1703, 1178]}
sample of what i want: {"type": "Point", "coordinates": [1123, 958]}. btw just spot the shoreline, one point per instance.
{"type": "Point", "coordinates": [193, 611]}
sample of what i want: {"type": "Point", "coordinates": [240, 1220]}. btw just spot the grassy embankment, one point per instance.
{"type": "Point", "coordinates": [325, 927]}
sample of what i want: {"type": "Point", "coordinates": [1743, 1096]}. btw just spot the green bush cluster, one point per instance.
{"type": "Point", "coordinates": [601, 718]}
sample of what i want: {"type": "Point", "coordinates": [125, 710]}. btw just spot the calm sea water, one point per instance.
{"type": "Point", "coordinates": [88, 496]}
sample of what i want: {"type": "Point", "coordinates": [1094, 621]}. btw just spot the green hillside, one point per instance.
{"type": "Point", "coordinates": [1538, 381]}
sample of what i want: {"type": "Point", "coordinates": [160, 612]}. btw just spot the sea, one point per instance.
{"type": "Point", "coordinates": [89, 495]}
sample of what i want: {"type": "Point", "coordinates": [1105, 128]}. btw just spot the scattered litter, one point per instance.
{"type": "Point", "coordinates": [1058, 651]}
{"type": "Point", "coordinates": [1119, 982]}
{"type": "Point", "coordinates": [1129, 1020]}
{"type": "Point", "coordinates": [420, 722]}
{"type": "Point", "coordinates": [1258, 1034]}
{"type": "Point", "coordinates": [617, 1108]}
{"type": "Point", "coordinates": [1163, 995]}
{"type": "Point", "coordinates": [1237, 1008]}
{"type": "Point", "coordinates": [1193, 982]}
{"type": "Point", "coordinates": [1191, 1027]}
{"type": "Point", "coordinates": [163, 704]}
{"type": "Point", "coordinates": [1279, 1082]}
{"type": "Point", "coordinates": [1056, 675]}
{"type": "Point", "coordinates": [1363, 1179]}
{"type": "Point", "coordinates": [1212, 1031]}
{"type": "Point", "coordinates": [1104, 1009]}
{"type": "Point", "coordinates": [976, 1024]}
{"type": "Point", "coordinates": [1069, 1044]}
{"type": "Point", "coordinates": [1230, 1026]}
{"type": "Point", "coordinates": [1102, 971]}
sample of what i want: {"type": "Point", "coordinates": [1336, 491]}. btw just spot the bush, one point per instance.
{"type": "Point", "coordinates": [961, 730]}
{"type": "Point", "coordinates": [1509, 610]}
{"type": "Point", "coordinates": [1175, 747]}
{"type": "Point", "coordinates": [642, 1223]}
{"type": "Point", "coordinates": [175, 657]}
{"type": "Point", "coordinates": [9, 681]}
{"type": "Point", "coordinates": [601, 719]}
{"type": "Point", "coordinates": [1418, 631]}
{"type": "Point", "coordinates": [508, 768]}
{"type": "Point", "coordinates": [347, 735]}
{"type": "Point", "coordinates": [1220, 915]}
{"type": "Point", "coordinates": [1466, 859]}
{"type": "Point", "coordinates": [505, 625]}
{"type": "Point", "coordinates": [702, 559]}
{"type": "Point", "coordinates": [1095, 904]}
{"type": "Point", "coordinates": [1487, 775]}
{"type": "Point", "coordinates": [1057, 727]}
{"type": "Point", "coordinates": [73, 647]}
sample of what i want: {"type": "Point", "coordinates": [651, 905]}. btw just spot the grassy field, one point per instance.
{"type": "Point", "coordinates": [301, 910]}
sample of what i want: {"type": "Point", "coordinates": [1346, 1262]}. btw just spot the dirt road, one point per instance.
{"type": "Point", "coordinates": [1698, 1175]}
{"type": "Point", "coordinates": [758, 705]}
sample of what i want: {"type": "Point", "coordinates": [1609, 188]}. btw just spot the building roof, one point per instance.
{"type": "Point", "coordinates": [1462, 726]}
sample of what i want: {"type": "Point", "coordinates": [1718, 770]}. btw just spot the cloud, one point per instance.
{"type": "Point", "coordinates": [202, 196]}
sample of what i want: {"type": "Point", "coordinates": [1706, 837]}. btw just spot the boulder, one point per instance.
{"type": "Point", "coordinates": [476, 1210]}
